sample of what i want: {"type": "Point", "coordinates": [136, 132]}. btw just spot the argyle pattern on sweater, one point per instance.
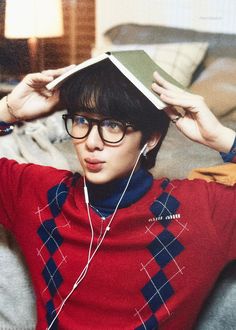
{"type": "Point", "coordinates": [163, 250]}
{"type": "Point", "coordinates": [52, 241]}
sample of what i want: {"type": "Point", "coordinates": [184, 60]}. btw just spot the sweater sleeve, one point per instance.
{"type": "Point", "coordinates": [19, 184]}
{"type": "Point", "coordinates": [231, 155]}
{"type": "Point", "coordinates": [11, 174]}
{"type": "Point", "coordinates": [225, 174]}
{"type": "Point", "coordinates": [222, 203]}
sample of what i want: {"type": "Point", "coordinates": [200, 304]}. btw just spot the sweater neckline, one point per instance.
{"type": "Point", "coordinates": [104, 198]}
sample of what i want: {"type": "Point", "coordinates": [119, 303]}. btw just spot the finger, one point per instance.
{"type": "Point", "coordinates": [54, 98]}
{"type": "Point", "coordinates": [40, 79]}
{"type": "Point", "coordinates": [191, 103]}
{"type": "Point", "coordinates": [173, 114]}
{"type": "Point", "coordinates": [170, 93]}
{"type": "Point", "coordinates": [166, 84]}
{"type": "Point", "coordinates": [184, 103]}
{"type": "Point", "coordinates": [174, 97]}
{"type": "Point", "coordinates": [46, 93]}
{"type": "Point", "coordinates": [158, 88]}
{"type": "Point", "coordinates": [170, 96]}
{"type": "Point", "coordinates": [36, 80]}
{"type": "Point", "coordinates": [57, 72]}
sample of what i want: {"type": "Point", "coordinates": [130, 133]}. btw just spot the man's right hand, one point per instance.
{"type": "Point", "coordinates": [30, 99]}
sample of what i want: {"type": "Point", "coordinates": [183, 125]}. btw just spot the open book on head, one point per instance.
{"type": "Point", "coordinates": [136, 65]}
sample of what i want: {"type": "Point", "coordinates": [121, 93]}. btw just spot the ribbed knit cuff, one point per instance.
{"type": "Point", "coordinates": [231, 155]}
{"type": "Point", "coordinates": [5, 128]}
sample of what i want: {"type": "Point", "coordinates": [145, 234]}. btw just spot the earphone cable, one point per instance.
{"type": "Point", "coordinates": [90, 257]}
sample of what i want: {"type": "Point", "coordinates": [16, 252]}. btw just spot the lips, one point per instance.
{"type": "Point", "coordinates": [93, 165]}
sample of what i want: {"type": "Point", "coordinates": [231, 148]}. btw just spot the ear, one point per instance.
{"type": "Point", "coordinates": [152, 141]}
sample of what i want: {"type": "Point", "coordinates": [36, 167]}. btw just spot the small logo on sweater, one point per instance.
{"type": "Point", "coordinates": [167, 217]}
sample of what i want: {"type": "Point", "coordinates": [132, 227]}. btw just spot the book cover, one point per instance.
{"type": "Point", "coordinates": [136, 65]}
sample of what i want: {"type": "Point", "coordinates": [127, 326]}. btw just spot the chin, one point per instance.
{"type": "Point", "coordinates": [100, 178]}
{"type": "Point", "coordinates": [97, 178]}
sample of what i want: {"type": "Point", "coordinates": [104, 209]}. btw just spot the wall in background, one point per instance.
{"type": "Point", "coordinates": [201, 15]}
{"type": "Point", "coordinates": [83, 28]}
{"type": "Point", "coordinates": [74, 47]}
{"type": "Point", "coordinates": [79, 25]}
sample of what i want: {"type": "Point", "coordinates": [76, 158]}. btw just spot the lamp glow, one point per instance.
{"type": "Point", "coordinates": [31, 20]}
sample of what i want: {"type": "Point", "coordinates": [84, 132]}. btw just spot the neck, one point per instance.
{"type": "Point", "coordinates": [104, 198]}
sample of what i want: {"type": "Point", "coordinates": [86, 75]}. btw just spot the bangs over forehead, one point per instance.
{"type": "Point", "coordinates": [102, 89]}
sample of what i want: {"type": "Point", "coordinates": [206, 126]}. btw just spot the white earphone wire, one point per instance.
{"type": "Point", "coordinates": [90, 257]}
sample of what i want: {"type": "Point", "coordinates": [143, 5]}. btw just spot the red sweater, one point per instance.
{"type": "Point", "coordinates": [155, 267]}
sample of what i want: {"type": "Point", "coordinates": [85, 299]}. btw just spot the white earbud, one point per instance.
{"type": "Point", "coordinates": [91, 253]}
{"type": "Point", "coordinates": [144, 150]}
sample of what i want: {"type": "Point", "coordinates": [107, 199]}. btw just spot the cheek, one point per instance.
{"type": "Point", "coordinates": [78, 143]}
{"type": "Point", "coordinates": [133, 144]}
{"type": "Point", "coordinates": [128, 154]}
{"type": "Point", "coordinates": [77, 147]}
{"type": "Point", "coordinates": [130, 149]}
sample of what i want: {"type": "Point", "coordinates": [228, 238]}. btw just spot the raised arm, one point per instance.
{"type": "Point", "coordinates": [30, 99]}
{"type": "Point", "coordinates": [197, 123]}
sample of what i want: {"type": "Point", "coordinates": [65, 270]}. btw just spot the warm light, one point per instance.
{"type": "Point", "coordinates": [33, 18]}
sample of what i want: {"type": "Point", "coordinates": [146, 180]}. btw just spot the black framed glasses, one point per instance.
{"type": "Point", "coordinates": [110, 130]}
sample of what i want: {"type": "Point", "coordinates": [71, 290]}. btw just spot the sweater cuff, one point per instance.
{"type": "Point", "coordinates": [5, 128]}
{"type": "Point", "coordinates": [231, 155]}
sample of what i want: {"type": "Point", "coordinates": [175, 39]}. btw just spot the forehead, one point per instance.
{"type": "Point", "coordinates": [95, 115]}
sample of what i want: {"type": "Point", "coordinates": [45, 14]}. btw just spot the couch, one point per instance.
{"type": "Point", "coordinates": [203, 62]}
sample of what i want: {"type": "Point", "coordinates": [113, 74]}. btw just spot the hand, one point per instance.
{"type": "Point", "coordinates": [30, 98]}
{"type": "Point", "coordinates": [197, 122]}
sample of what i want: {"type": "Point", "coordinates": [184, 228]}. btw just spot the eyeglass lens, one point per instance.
{"type": "Point", "coordinates": [110, 130]}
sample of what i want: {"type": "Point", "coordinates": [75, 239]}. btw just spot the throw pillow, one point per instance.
{"type": "Point", "coordinates": [180, 60]}
{"type": "Point", "coordinates": [217, 84]}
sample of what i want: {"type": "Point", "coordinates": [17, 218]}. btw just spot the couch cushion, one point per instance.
{"type": "Point", "coordinates": [217, 84]}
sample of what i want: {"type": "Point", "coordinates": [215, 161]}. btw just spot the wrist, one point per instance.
{"type": "Point", "coordinates": [6, 111]}
{"type": "Point", "coordinates": [231, 155]}
{"type": "Point", "coordinates": [225, 140]}
{"type": "Point", "coordinates": [11, 110]}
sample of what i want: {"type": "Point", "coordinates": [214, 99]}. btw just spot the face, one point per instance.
{"type": "Point", "coordinates": [103, 162]}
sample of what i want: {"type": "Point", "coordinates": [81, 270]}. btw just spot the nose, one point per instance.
{"type": "Point", "coordinates": [93, 140]}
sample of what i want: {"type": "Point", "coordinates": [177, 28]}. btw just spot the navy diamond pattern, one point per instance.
{"type": "Point", "coordinates": [164, 248]}
{"type": "Point", "coordinates": [51, 313]}
{"type": "Point", "coordinates": [51, 244]}
{"type": "Point", "coordinates": [150, 324]}
{"type": "Point", "coordinates": [52, 276]}
{"type": "Point", "coordinates": [157, 291]}
{"type": "Point", "coordinates": [56, 198]}
{"type": "Point", "coordinates": [164, 206]}
{"type": "Point", "coordinates": [50, 236]}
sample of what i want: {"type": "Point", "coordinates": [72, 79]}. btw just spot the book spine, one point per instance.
{"type": "Point", "coordinates": [59, 80]}
{"type": "Point", "coordinates": [147, 92]}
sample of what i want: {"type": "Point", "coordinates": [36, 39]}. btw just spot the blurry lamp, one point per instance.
{"type": "Point", "coordinates": [31, 20]}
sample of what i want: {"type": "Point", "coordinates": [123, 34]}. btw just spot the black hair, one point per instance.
{"type": "Point", "coordinates": [102, 89]}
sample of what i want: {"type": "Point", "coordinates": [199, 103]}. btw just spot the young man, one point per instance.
{"type": "Point", "coordinates": [113, 248]}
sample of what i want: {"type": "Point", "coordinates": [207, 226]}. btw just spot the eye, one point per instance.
{"type": "Point", "coordinates": [81, 121]}
{"type": "Point", "coordinates": [112, 125]}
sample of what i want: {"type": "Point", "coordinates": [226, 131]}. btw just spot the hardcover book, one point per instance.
{"type": "Point", "coordinates": [136, 65]}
